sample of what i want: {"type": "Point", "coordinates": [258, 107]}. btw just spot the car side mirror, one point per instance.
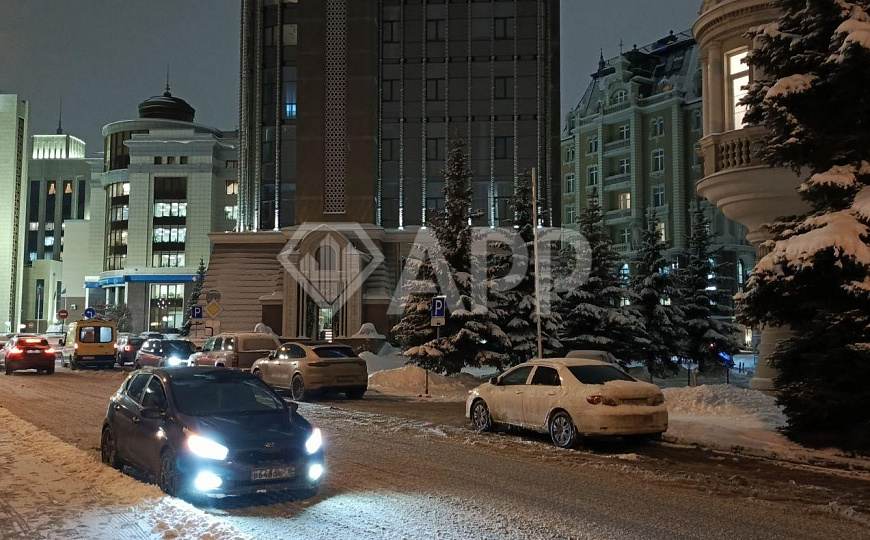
{"type": "Point", "coordinates": [493, 381]}
{"type": "Point", "coordinates": [151, 413]}
{"type": "Point", "coordinates": [199, 349]}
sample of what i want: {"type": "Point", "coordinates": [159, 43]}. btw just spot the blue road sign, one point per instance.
{"type": "Point", "coordinates": [196, 312]}
{"type": "Point", "coordinates": [439, 307]}
{"type": "Point", "coordinates": [90, 313]}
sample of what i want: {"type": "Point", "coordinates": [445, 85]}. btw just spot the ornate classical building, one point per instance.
{"type": "Point", "coordinates": [634, 140]}
{"type": "Point", "coordinates": [746, 190]}
{"type": "Point", "coordinates": [347, 111]}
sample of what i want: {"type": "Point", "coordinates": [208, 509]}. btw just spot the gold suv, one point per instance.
{"type": "Point", "coordinates": [307, 367]}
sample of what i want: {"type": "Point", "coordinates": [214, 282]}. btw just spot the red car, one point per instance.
{"type": "Point", "coordinates": [28, 352]}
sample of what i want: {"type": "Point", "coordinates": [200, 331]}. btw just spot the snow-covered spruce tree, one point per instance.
{"type": "Point", "coordinates": [516, 307]}
{"type": "Point", "coordinates": [194, 297]}
{"type": "Point", "coordinates": [703, 297]}
{"type": "Point", "coordinates": [813, 101]}
{"type": "Point", "coordinates": [471, 335]}
{"type": "Point", "coordinates": [592, 313]}
{"type": "Point", "coordinates": [654, 299]}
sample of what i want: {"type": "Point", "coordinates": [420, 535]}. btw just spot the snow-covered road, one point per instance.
{"type": "Point", "coordinates": [394, 471]}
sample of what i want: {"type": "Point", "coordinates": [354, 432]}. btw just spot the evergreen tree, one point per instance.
{"type": "Point", "coordinates": [812, 100]}
{"type": "Point", "coordinates": [120, 314]}
{"type": "Point", "coordinates": [516, 307]}
{"type": "Point", "coordinates": [704, 300]}
{"type": "Point", "coordinates": [471, 335]}
{"type": "Point", "coordinates": [654, 291]}
{"type": "Point", "coordinates": [194, 297]}
{"type": "Point", "coordinates": [593, 316]}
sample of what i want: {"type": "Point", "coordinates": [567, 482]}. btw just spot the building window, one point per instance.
{"type": "Point", "coordinates": [592, 144]}
{"type": "Point", "coordinates": [696, 155]}
{"type": "Point", "coordinates": [569, 183]}
{"type": "Point", "coordinates": [182, 160]}
{"type": "Point", "coordinates": [119, 213]}
{"type": "Point", "coordinates": [625, 166]}
{"type": "Point", "coordinates": [49, 241]}
{"type": "Point", "coordinates": [570, 215]}
{"type": "Point", "coordinates": [658, 195]}
{"type": "Point", "coordinates": [391, 90]}
{"type": "Point", "coordinates": [741, 274]}
{"type": "Point", "coordinates": [436, 30]}
{"type": "Point", "coordinates": [567, 155]}
{"type": "Point", "coordinates": [504, 148]}
{"type": "Point", "coordinates": [392, 31]}
{"type": "Point", "coordinates": [435, 149]}
{"type": "Point", "coordinates": [657, 127]}
{"type": "Point", "coordinates": [625, 235]}
{"type": "Point", "coordinates": [289, 85]}
{"type": "Point", "coordinates": [34, 226]}
{"type": "Point", "coordinates": [658, 160]}
{"type": "Point", "coordinates": [592, 175]}
{"type": "Point", "coordinates": [697, 120]}
{"type": "Point", "coordinates": [390, 149]}
{"type": "Point", "coordinates": [170, 160]}
{"type": "Point", "coordinates": [620, 96]}
{"type": "Point", "coordinates": [738, 80]}
{"type": "Point", "coordinates": [624, 201]}
{"type": "Point", "coordinates": [436, 89]}
{"type": "Point", "coordinates": [231, 213]}
{"type": "Point", "coordinates": [232, 187]}
{"type": "Point", "coordinates": [158, 160]}
{"type": "Point", "coordinates": [624, 132]}
{"type": "Point", "coordinates": [625, 274]}
{"type": "Point", "coordinates": [170, 209]}
{"type": "Point", "coordinates": [170, 235]}
{"type": "Point", "coordinates": [174, 259]}
{"type": "Point", "coordinates": [660, 230]}
{"type": "Point", "coordinates": [166, 306]}
{"type": "Point", "coordinates": [503, 88]}
{"type": "Point", "coordinates": [504, 28]}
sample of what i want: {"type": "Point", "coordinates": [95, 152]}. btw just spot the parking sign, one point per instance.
{"type": "Point", "coordinates": [196, 312]}
{"type": "Point", "coordinates": [439, 310]}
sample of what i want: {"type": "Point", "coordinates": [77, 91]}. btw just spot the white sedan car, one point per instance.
{"type": "Point", "coordinates": [569, 398]}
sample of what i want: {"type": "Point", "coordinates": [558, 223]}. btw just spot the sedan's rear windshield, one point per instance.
{"type": "Point", "coordinates": [258, 344]}
{"type": "Point", "coordinates": [334, 352]}
{"type": "Point", "coordinates": [136, 342]}
{"type": "Point", "coordinates": [180, 346]}
{"type": "Point", "coordinates": [598, 374]}
{"type": "Point", "coordinates": [211, 396]}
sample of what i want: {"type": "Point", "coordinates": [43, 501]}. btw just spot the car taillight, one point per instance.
{"type": "Point", "coordinates": [49, 350]}
{"type": "Point", "coordinates": [16, 350]}
{"type": "Point", "coordinates": [75, 345]}
{"type": "Point", "coordinates": [601, 400]}
{"type": "Point", "coordinates": [659, 399]}
{"type": "Point", "coordinates": [128, 348]}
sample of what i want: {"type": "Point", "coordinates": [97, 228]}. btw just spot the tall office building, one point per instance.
{"type": "Point", "coordinates": [14, 121]}
{"type": "Point", "coordinates": [348, 108]}
{"type": "Point", "coordinates": [633, 139]}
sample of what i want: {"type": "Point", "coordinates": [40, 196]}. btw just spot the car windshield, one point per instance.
{"type": "Point", "coordinates": [598, 374]}
{"type": "Point", "coordinates": [136, 342]}
{"type": "Point", "coordinates": [334, 352]}
{"type": "Point", "coordinates": [181, 347]}
{"type": "Point", "coordinates": [206, 395]}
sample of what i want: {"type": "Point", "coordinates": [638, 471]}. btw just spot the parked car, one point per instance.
{"type": "Point", "coordinates": [4, 338]}
{"type": "Point", "coordinates": [569, 398]}
{"type": "Point", "coordinates": [90, 343]}
{"type": "Point", "coordinates": [236, 349]}
{"type": "Point", "coordinates": [28, 352]}
{"type": "Point", "coordinates": [221, 432]}
{"type": "Point", "coordinates": [164, 352]}
{"type": "Point", "coordinates": [151, 335]}
{"type": "Point", "coordinates": [126, 348]}
{"type": "Point", "coordinates": [55, 340]}
{"type": "Point", "coordinates": [304, 368]}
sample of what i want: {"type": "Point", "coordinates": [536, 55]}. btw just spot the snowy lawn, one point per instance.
{"type": "Point", "coordinates": [409, 381]}
{"type": "Point", "coordinates": [49, 488]}
{"type": "Point", "coordinates": [740, 420]}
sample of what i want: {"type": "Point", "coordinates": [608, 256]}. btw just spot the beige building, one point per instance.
{"type": "Point", "coordinates": [745, 189]}
{"type": "Point", "coordinates": [14, 121]}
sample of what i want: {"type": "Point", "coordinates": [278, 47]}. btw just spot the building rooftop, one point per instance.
{"type": "Point", "coordinates": [166, 107]}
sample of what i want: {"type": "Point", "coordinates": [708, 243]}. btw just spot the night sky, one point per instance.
{"type": "Point", "coordinates": [106, 56]}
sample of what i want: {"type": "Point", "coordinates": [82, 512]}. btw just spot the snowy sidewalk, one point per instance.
{"type": "Point", "coordinates": [50, 489]}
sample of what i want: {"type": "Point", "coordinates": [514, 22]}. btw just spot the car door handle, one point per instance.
{"type": "Point", "coordinates": [135, 419]}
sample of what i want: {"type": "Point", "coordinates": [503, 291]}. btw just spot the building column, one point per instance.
{"type": "Point", "coordinates": [716, 87]}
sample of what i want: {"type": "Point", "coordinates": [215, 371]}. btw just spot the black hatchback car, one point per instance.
{"type": "Point", "coordinates": [211, 431]}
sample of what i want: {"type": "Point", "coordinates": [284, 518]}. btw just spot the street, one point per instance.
{"type": "Point", "coordinates": [398, 468]}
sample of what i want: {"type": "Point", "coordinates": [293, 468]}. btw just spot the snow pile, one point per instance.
{"type": "Point", "coordinates": [388, 357]}
{"type": "Point", "coordinates": [725, 401]}
{"type": "Point", "coordinates": [411, 381]}
{"type": "Point", "coordinates": [856, 28]}
{"type": "Point", "coordinates": [61, 491]}
{"type": "Point", "coordinates": [793, 84]}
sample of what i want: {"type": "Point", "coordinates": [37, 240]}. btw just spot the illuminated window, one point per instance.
{"type": "Point", "coordinates": [624, 201]}
{"type": "Point", "coordinates": [231, 213]}
{"type": "Point", "coordinates": [738, 80]}
{"type": "Point", "coordinates": [660, 231]}
{"type": "Point", "coordinates": [232, 187]}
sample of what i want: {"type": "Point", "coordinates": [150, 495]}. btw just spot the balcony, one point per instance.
{"type": "Point", "coordinates": [732, 150]}
{"type": "Point", "coordinates": [623, 247]}
{"type": "Point", "coordinates": [616, 217]}
{"type": "Point", "coordinates": [617, 182]}
{"type": "Point", "coordinates": [616, 108]}
{"type": "Point", "coordinates": [616, 146]}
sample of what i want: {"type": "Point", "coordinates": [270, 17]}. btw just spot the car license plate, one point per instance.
{"type": "Point", "coordinates": [33, 351]}
{"type": "Point", "coordinates": [87, 357]}
{"type": "Point", "coordinates": [274, 473]}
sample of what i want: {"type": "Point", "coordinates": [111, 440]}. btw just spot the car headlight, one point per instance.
{"type": "Point", "coordinates": [659, 399]}
{"type": "Point", "coordinates": [314, 442]}
{"type": "Point", "coordinates": [175, 361]}
{"type": "Point", "coordinates": [206, 448]}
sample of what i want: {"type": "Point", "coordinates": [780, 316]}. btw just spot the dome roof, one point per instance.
{"type": "Point", "coordinates": [166, 107]}
{"type": "Point", "coordinates": [707, 5]}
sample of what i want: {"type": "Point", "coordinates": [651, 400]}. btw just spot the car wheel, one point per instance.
{"type": "Point", "coordinates": [73, 365]}
{"type": "Point", "coordinates": [109, 450]}
{"type": "Point", "coordinates": [562, 430]}
{"type": "Point", "coordinates": [297, 389]}
{"type": "Point", "coordinates": [168, 478]}
{"type": "Point", "coordinates": [49, 371]}
{"type": "Point", "coordinates": [355, 393]}
{"type": "Point", "coordinates": [480, 417]}
{"type": "Point", "coordinates": [136, 365]}
{"type": "Point", "coordinates": [256, 373]}
{"type": "Point", "coordinates": [8, 369]}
